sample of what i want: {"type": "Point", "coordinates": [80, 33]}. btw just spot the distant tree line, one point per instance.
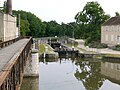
{"type": "Point", "coordinates": [31, 25]}
{"type": "Point", "coordinates": [87, 24]}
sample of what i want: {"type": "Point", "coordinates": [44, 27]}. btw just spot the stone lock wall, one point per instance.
{"type": "Point", "coordinates": [32, 67]}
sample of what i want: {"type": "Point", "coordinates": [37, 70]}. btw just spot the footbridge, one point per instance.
{"type": "Point", "coordinates": [13, 57]}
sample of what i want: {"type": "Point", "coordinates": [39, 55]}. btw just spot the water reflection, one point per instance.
{"type": "Point", "coordinates": [89, 73]}
{"type": "Point", "coordinates": [59, 75]}
{"type": "Point", "coordinates": [111, 71]}
{"type": "Point", "coordinates": [75, 74]}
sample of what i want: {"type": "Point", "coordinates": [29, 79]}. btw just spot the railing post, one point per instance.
{"type": "Point", "coordinates": [13, 78]}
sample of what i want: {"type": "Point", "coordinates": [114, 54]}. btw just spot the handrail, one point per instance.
{"type": "Point", "coordinates": [11, 75]}
{"type": "Point", "coordinates": [6, 43]}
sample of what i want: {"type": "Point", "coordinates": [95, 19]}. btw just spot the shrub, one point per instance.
{"type": "Point", "coordinates": [117, 47]}
{"type": "Point", "coordinates": [97, 45]}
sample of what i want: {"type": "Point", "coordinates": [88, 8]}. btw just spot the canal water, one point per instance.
{"type": "Point", "coordinates": [75, 74]}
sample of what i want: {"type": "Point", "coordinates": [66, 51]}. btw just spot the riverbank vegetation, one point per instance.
{"type": "Point", "coordinates": [42, 48]}
{"type": "Point", "coordinates": [98, 45]}
{"type": "Point", "coordinates": [87, 25]}
{"type": "Point", "coordinates": [117, 47]}
{"type": "Point", "coordinates": [112, 55]}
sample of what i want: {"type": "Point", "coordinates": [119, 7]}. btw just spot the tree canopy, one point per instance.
{"type": "Point", "coordinates": [117, 13]}
{"type": "Point", "coordinates": [31, 25]}
{"type": "Point", "coordinates": [87, 25]}
{"type": "Point", "coordinates": [89, 74]}
{"type": "Point", "coordinates": [90, 20]}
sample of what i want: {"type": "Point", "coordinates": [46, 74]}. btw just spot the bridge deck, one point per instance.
{"type": "Point", "coordinates": [7, 53]}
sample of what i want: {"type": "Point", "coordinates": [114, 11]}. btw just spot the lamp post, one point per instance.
{"type": "Point", "coordinates": [72, 37]}
{"type": "Point", "coordinates": [73, 47]}
{"type": "Point", "coordinates": [50, 41]}
{"type": "Point", "coordinates": [46, 50]}
{"type": "Point", "coordinates": [60, 48]}
{"type": "Point", "coordinates": [73, 40]}
{"type": "Point", "coordinates": [18, 25]}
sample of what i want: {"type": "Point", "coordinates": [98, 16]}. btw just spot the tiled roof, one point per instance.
{"type": "Point", "coordinates": [112, 21]}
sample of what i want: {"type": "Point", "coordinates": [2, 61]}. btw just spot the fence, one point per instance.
{"type": "Point", "coordinates": [11, 76]}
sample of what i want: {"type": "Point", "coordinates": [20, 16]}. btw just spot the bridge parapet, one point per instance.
{"type": "Point", "coordinates": [12, 73]}
{"type": "Point", "coordinates": [6, 43]}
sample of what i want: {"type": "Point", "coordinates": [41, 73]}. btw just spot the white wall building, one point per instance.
{"type": "Point", "coordinates": [8, 28]}
{"type": "Point", "coordinates": [110, 31]}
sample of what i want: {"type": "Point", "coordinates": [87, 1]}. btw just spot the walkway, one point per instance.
{"type": "Point", "coordinates": [8, 53]}
{"type": "Point", "coordinates": [86, 49]}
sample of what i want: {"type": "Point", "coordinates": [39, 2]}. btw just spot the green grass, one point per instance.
{"type": "Point", "coordinates": [112, 55]}
{"type": "Point", "coordinates": [42, 48]}
{"type": "Point", "coordinates": [71, 44]}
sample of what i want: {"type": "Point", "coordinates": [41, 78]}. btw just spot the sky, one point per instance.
{"type": "Point", "coordinates": [61, 10]}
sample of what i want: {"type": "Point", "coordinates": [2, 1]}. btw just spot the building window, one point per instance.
{"type": "Point", "coordinates": [118, 66]}
{"type": "Point", "coordinates": [106, 28]}
{"type": "Point", "coordinates": [106, 37]}
{"type": "Point", "coordinates": [118, 38]}
{"type": "Point", "coordinates": [112, 37]}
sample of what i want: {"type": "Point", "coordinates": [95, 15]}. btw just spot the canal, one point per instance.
{"type": "Point", "coordinates": [75, 74]}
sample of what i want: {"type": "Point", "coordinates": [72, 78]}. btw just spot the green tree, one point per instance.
{"type": "Point", "coordinates": [117, 13]}
{"type": "Point", "coordinates": [91, 19]}
{"type": "Point", "coordinates": [31, 25]}
{"type": "Point", "coordinates": [4, 7]}
{"type": "Point", "coordinates": [24, 27]}
{"type": "Point", "coordinates": [64, 28]}
{"type": "Point", "coordinates": [89, 73]}
{"type": "Point", "coordinates": [52, 29]}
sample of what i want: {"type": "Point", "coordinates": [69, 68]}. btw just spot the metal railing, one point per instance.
{"type": "Point", "coordinates": [12, 74]}
{"type": "Point", "coordinates": [6, 43]}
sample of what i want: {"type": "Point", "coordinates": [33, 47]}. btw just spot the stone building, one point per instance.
{"type": "Point", "coordinates": [110, 31]}
{"type": "Point", "coordinates": [8, 28]}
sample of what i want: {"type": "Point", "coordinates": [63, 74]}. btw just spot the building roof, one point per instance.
{"type": "Point", "coordinates": [112, 21]}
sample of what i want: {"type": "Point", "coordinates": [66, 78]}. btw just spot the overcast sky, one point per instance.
{"type": "Point", "coordinates": [61, 10]}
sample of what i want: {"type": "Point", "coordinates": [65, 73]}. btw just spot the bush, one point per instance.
{"type": "Point", "coordinates": [97, 45]}
{"type": "Point", "coordinates": [117, 47]}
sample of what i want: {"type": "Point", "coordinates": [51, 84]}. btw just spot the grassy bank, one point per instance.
{"type": "Point", "coordinates": [70, 44]}
{"type": "Point", "coordinates": [43, 48]}
{"type": "Point", "coordinates": [112, 55]}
